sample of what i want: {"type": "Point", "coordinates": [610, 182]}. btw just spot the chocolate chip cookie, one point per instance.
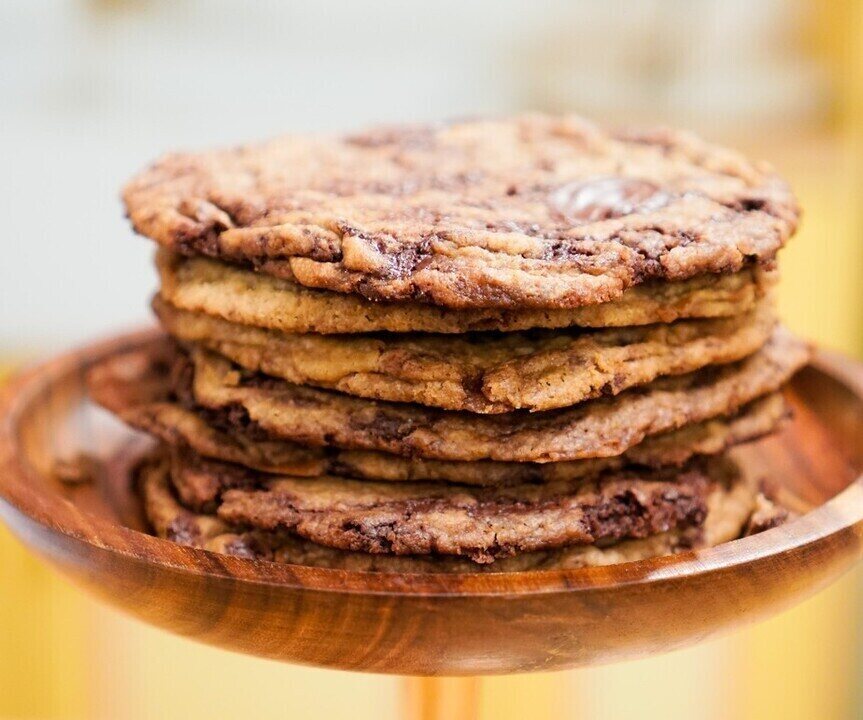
{"type": "Point", "coordinates": [728, 505]}
{"type": "Point", "coordinates": [242, 296]}
{"type": "Point", "coordinates": [599, 428]}
{"type": "Point", "coordinates": [136, 386]}
{"type": "Point", "coordinates": [526, 212]}
{"type": "Point", "coordinates": [479, 372]}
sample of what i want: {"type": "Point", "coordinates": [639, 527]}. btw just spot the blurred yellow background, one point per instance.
{"type": "Point", "coordinates": [62, 655]}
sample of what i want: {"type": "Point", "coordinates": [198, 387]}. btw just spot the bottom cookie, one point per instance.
{"type": "Point", "coordinates": [730, 507]}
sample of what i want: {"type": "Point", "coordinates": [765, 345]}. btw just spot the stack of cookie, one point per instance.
{"type": "Point", "coordinates": [496, 345]}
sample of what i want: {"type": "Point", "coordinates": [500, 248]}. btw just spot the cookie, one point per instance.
{"type": "Point", "coordinates": [481, 372]}
{"type": "Point", "coordinates": [242, 296]}
{"type": "Point", "coordinates": [481, 523]}
{"type": "Point", "coordinates": [116, 383]}
{"type": "Point", "coordinates": [728, 510]}
{"type": "Point", "coordinates": [599, 428]}
{"type": "Point", "coordinates": [532, 211]}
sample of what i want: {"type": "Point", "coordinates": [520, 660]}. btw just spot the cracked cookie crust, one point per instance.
{"type": "Point", "coordinates": [529, 212]}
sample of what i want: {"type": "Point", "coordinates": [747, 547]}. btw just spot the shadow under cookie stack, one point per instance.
{"type": "Point", "coordinates": [483, 346]}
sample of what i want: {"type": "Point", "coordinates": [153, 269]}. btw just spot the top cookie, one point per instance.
{"type": "Point", "coordinates": [533, 211]}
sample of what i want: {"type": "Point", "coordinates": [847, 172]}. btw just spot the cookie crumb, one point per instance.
{"type": "Point", "coordinates": [768, 513]}
{"type": "Point", "coordinates": [81, 469]}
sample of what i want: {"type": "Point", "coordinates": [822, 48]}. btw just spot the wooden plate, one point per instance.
{"type": "Point", "coordinates": [427, 624]}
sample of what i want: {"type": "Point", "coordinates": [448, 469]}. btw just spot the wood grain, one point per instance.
{"type": "Point", "coordinates": [428, 624]}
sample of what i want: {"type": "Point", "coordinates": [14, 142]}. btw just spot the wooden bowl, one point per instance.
{"type": "Point", "coordinates": [427, 624]}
